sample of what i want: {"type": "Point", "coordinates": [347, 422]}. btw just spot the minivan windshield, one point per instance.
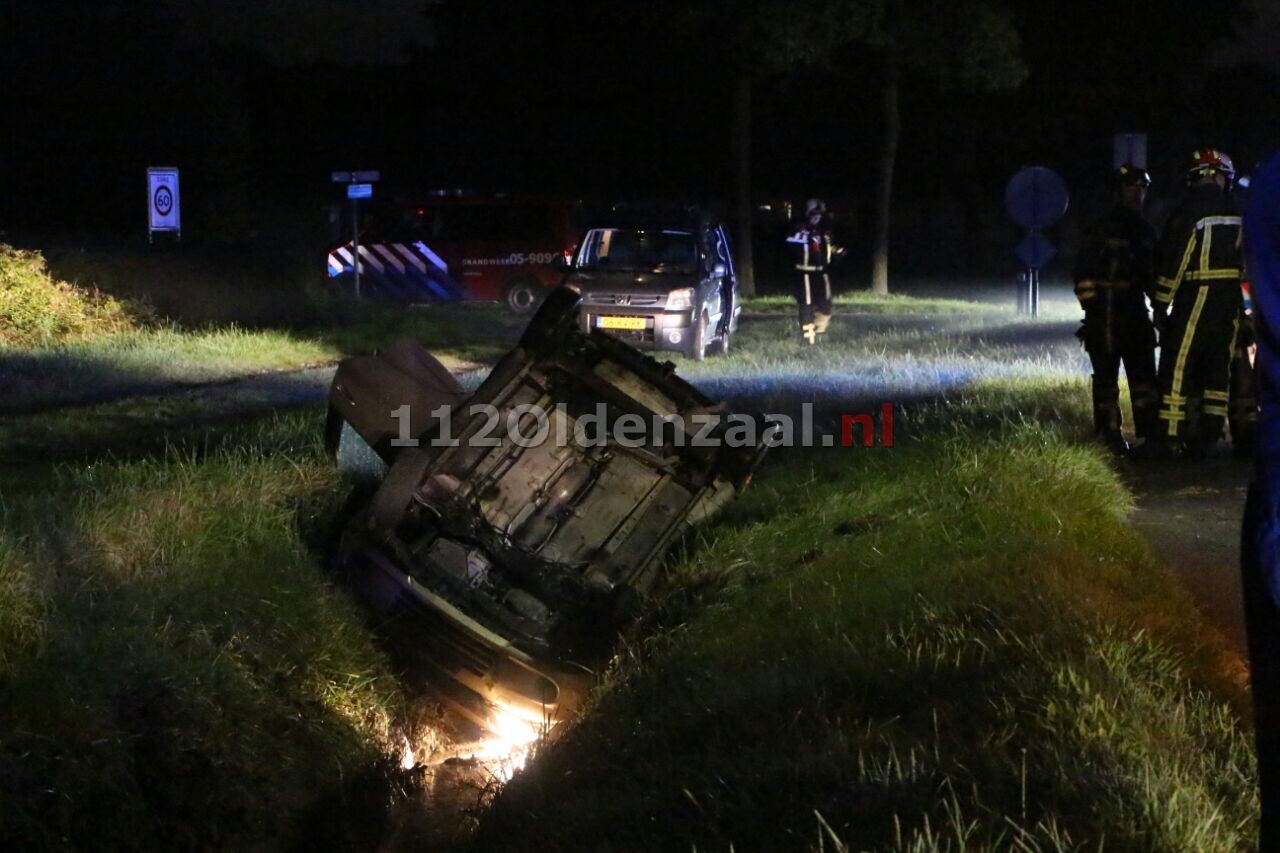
{"type": "Point", "coordinates": [635, 249]}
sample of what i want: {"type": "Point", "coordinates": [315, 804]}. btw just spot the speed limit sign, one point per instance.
{"type": "Point", "coordinates": [164, 211]}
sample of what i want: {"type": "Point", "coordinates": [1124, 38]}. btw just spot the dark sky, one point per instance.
{"type": "Point", "coordinates": [257, 100]}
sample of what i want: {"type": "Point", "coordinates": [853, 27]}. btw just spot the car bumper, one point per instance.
{"type": "Point", "coordinates": [500, 678]}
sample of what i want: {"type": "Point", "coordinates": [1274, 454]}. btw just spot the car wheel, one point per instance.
{"type": "Point", "coordinates": [698, 338]}
{"type": "Point", "coordinates": [521, 295]}
{"type": "Point", "coordinates": [556, 318]}
{"type": "Point", "coordinates": [721, 346]}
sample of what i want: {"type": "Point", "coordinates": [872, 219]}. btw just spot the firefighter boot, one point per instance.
{"type": "Point", "coordinates": [820, 322]}
{"type": "Point", "coordinates": [809, 331]}
{"type": "Point", "coordinates": [1114, 441]}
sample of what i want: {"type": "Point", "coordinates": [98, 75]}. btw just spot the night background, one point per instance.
{"type": "Point", "coordinates": [257, 102]}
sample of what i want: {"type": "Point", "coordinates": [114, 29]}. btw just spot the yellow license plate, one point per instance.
{"type": "Point", "coordinates": [621, 323]}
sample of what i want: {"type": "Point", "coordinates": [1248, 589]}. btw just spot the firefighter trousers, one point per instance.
{"type": "Point", "coordinates": [813, 295]}
{"type": "Point", "coordinates": [1138, 356]}
{"type": "Point", "coordinates": [1195, 361]}
{"type": "Point", "coordinates": [1242, 410]}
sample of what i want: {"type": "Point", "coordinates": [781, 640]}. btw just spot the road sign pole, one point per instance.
{"type": "Point", "coordinates": [1036, 198]}
{"type": "Point", "coordinates": [355, 241]}
{"type": "Point", "coordinates": [359, 185]}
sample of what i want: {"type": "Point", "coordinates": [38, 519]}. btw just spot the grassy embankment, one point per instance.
{"type": "Point", "coordinates": [956, 642]}
{"type": "Point", "coordinates": [60, 342]}
{"type": "Point", "coordinates": [177, 670]}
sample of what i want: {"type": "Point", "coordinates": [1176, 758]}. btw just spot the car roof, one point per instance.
{"type": "Point", "coordinates": [670, 217]}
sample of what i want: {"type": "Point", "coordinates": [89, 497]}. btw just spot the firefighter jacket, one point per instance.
{"type": "Point", "coordinates": [1201, 244]}
{"type": "Point", "coordinates": [1113, 274]}
{"type": "Point", "coordinates": [814, 245]}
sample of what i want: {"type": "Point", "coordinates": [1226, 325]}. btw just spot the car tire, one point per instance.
{"type": "Point", "coordinates": [521, 295]}
{"type": "Point", "coordinates": [721, 346]}
{"type": "Point", "coordinates": [698, 338]}
{"type": "Point", "coordinates": [556, 318]}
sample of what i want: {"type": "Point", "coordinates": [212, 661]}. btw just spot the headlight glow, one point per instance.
{"type": "Point", "coordinates": [680, 299]}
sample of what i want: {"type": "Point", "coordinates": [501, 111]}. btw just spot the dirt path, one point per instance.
{"type": "Point", "coordinates": [1190, 513]}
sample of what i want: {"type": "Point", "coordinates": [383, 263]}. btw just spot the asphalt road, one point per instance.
{"type": "Point", "coordinates": [1190, 513]}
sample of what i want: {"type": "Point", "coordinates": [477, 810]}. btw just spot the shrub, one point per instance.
{"type": "Point", "coordinates": [36, 308]}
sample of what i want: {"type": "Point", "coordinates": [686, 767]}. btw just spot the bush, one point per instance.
{"type": "Point", "coordinates": [37, 309]}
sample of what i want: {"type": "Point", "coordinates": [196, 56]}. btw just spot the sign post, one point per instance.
{"type": "Point", "coordinates": [1130, 148]}
{"type": "Point", "coordinates": [1036, 198]}
{"type": "Point", "coordinates": [164, 209]}
{"type": "Point", "coordinates": [359, 185]}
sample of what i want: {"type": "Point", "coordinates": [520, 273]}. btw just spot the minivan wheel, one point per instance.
{"type": "Point", "coordinates": [521, 296]}
{"type": "Point", "coordinates": [698, 338]}
{"type": "Point", "coordinates": [722, 343]}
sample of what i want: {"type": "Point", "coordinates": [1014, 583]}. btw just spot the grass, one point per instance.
{"type": "Point", "coordinates": [177, 672]}
{"type": "Point", "coordinates": [176, 320]}
{"type": "Point", "coordinates": [864, 301]}
{"type": "Point", "coordinates": [956, 644]}
{"type": "Point", "coordinates": [157, 359]}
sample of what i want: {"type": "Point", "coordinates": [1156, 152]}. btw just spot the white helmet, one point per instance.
{"type": "Point", "coordinates": [814, 205]}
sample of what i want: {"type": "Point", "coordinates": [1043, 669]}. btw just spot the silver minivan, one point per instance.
{"type": "Point", "coordinates": [658, 282]}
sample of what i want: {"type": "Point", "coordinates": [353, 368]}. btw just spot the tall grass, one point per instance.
{"type": "Point", "coordinates": [177, 671]}
{"type": "Point", "coordinates": [954, 645]}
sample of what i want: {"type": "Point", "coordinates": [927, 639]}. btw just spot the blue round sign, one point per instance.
{"type": "Point", "coordinates": [1035, 250]}
{"type": "Point", "coordinates": [1036, 197]}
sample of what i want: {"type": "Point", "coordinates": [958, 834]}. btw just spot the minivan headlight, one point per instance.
{"type": "Point", "coordinates": [680, 299]}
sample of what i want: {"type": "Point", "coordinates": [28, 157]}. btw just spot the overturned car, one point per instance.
{"type": "Point", "coordinates": [525, 523]}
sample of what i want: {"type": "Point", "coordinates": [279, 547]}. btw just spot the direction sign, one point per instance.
{"type": "Point", "coordinates": [1035, 250]}
{"type": "Point", "coordinates": [359, 190]}
{"type": "Point", "coordinates": [366, 177]}
{"type": "Point", "coordinates": [1036, 197]}
{"type": "Point", "coordinates": [1129, 148]}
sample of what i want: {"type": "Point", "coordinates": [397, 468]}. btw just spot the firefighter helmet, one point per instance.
{"type": "Point", "coordinates": [1130, 175]}
{"type": "Point", "coordinates": [815, 206]}
{"type": "Point", "coordinates": [1207, 162]}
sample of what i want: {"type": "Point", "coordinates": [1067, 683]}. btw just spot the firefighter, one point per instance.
{"type": "Point", "coordinates": [1196, 306]}
{"type": "Point", "coordinates": [814, 250]}
{"type": "Point", "coordinates": [1114, 272]}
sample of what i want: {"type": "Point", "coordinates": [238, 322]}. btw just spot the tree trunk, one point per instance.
{"type": "Point", "coordinates": [741, 130]}
{"type": "Point", "coordinates": [880, 251]}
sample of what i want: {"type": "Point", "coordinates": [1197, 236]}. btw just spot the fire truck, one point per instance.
{"type": "Point", "coordinates": [454, 245]}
